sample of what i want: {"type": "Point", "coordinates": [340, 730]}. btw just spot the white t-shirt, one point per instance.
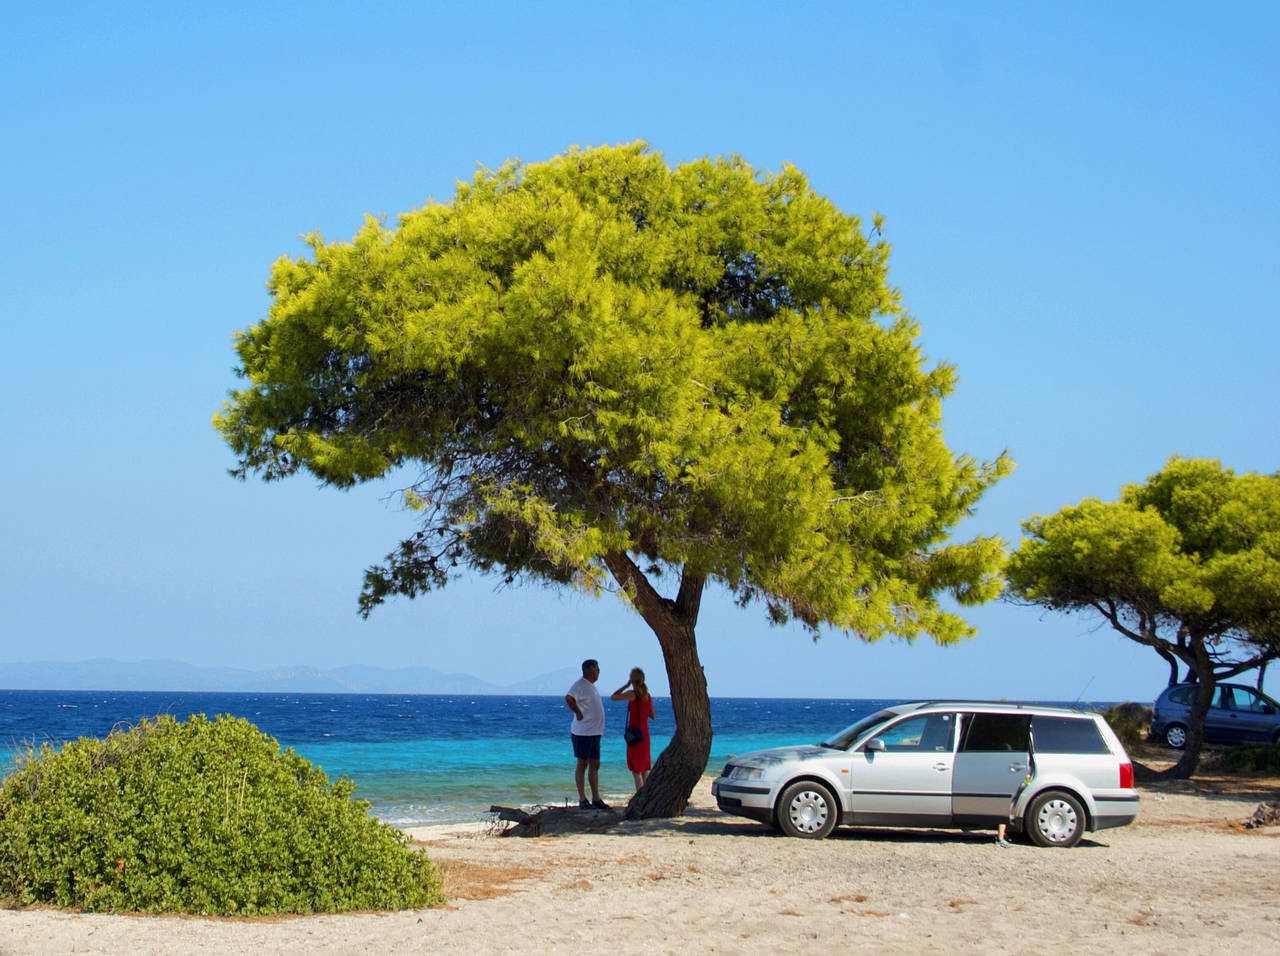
{"type": "Point", "coordinates": [588, 700]}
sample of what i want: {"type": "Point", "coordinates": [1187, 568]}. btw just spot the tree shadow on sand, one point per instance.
{"type": "Point", "coordinates": [568, 821]}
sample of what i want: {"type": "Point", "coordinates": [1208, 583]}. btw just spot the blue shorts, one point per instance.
{"type": "Point", "coordinates": [586, 748]}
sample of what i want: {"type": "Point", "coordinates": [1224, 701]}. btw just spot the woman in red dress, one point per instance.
{"type": "Point", "coordinates": [639, 713]}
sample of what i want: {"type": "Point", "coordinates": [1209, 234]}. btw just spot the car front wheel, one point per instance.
{"type": "Point", "coordinates": [1055, 819]}
{"type": "Point", "coordinates": [1175, 735]}
{"type": "Point", "coordinates": [807, 809]}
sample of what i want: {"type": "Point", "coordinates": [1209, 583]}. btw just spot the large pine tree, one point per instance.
{"type": "Point", "coordinates": [611, 371]}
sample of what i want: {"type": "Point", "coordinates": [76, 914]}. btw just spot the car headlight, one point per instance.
{"type": "Point", "coordinates": [747, 773]}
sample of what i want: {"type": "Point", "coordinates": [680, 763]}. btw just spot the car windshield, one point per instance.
{"type": "Point", "coordinates": [846, 737]}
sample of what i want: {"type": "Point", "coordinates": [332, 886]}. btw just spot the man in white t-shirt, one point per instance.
{"type": "Point", "coordinates": [585, 731]}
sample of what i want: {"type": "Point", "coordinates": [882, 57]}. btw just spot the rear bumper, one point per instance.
{"type": "Point", "coordinates": [1115, 811]}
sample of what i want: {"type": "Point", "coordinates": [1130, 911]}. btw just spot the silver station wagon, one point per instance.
{"type": "Point", "coordinates": [1050, 772]}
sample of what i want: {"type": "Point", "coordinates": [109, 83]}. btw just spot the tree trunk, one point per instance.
{"type": "Point", "coordinates": [682, 763]}
{"type": "Point", "coordinates": [1207, 684]}
{"type": "Point", "coordinates": [679, 767]}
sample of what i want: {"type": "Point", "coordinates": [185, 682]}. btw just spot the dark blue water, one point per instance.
{"type": "Point", "coordinates": [424, 759]}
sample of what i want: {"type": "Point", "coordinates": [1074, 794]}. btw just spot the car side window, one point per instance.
{"type": "Point", "coordinates": [1232, 699]}
{"type": "Point", "coordinates": [1182, 695]}
{"type": "Point", "coordinates": [1067, 735]}
{"type": "Point", "coordinates": [932, 733]}
{"type": "Point", "coordinates": [986, 733]}
{"type": "Point", "coordinates": [1241, 698]}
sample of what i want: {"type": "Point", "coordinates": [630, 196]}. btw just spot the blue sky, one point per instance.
{"type": "Point", "coordinates": [1082, 201]}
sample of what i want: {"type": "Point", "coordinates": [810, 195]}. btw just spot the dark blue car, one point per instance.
{"type": "Point", "coordinates": [1238, 714]}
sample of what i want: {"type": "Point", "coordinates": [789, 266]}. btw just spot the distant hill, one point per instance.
{"type": "Point", "coordinates": [103, 674]}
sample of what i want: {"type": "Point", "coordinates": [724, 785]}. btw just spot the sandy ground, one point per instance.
{"type": "Point", "coordinates": [1185, 878]}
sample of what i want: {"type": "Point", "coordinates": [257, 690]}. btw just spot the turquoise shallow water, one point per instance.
{"type": "Point", "coordinates": [425, 759]}
{"type": "Point", "coordinates": [439, 781]}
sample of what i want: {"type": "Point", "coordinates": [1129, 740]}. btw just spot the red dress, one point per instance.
{"type": "Point", "coordinates": [639, 715]}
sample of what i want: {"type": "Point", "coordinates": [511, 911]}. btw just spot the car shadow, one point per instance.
{"type": "Point", "coordinates": [908, 836]}
{"type": "Point", "coordinates": [710, 823]}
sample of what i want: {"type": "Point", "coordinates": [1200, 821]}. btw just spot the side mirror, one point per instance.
{"type": "Point", "coordinates": [875, 743]}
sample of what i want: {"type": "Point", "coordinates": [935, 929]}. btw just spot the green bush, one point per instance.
{"type": "Point", "coordinates": [1131, 722]}
{"type": "Point", "coordinates": [1253, 757]}
{"type": "Point", "coordinates": [197, 816]}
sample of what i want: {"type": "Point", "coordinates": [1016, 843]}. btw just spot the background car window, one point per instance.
{"type": "Point", "coordinates": [995, 732]}
{"type": "Point", "coordinates": [1241, 698]}
{"type": "Point", "coordinates": [1261, 703]}
{"type": "Point", "coordinates": [1067, 735]}
{"type": "Point", "coordinates": [932, 733]}
{"type": "Point", "coordinates": [1181, 695]}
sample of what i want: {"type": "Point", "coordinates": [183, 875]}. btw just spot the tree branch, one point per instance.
{"type": "Point", "coordinates": [653, 607]}
{"type": "Point", "coordinates": [1242, 666]}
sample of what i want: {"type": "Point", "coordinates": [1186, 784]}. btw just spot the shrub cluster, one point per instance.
{"type": "Point", "coordinates": [1253, 757]}
{"type": "Point", "coordinates": [1131, 723]}
{"type": "Point", "coordinates": [197, 816]}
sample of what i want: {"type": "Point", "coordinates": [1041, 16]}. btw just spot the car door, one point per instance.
{"type": "Point", "coordinates": [1217, 724]}
{"type": "Point", "coordinates": [992, 762]}
{"type": "Point", "coordinates": [1245, 715]}
{"type": "Point", "coordinates": [902, 776]}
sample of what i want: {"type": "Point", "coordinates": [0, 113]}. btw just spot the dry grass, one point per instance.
{"type": "Point", "coordinates": [1210, 776]}
{"type": "Point", "coordinates": [478, 881]}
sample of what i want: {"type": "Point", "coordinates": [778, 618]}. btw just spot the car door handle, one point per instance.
{"type": "Point", "coordinates": [941, 767]}
{"type": "Point", "coordinates": [1017, 768]}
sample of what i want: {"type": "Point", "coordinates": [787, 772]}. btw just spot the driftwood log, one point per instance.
{"type": "Point", "coordinates": [1267, 815]}
{"type": "Point", "coordinates": [553, 821]}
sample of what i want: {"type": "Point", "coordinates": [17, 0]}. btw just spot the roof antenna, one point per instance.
{"type": "Point", "coordinates": [1083, 689]}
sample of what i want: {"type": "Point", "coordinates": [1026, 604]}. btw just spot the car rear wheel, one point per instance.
{"type": "Point", "coordinates": [1055, 819]}
{"type": "Point", "coordinates": [1175, 735]}
{"type": "Point", "coordinates": [807, 809]}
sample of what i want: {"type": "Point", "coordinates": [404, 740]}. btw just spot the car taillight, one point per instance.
{"type": "Point", "coordinates": [1126, 776]}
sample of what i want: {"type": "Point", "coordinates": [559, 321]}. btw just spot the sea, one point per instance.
{"type": "Point", "coordinates": [425, 759]}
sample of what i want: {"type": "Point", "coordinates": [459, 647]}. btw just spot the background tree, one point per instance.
{"type": "Point", "coordinates": [1188, 564]}
{"type": "Point", "coordinates": [603, 369]}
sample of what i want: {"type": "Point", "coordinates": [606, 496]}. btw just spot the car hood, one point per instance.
{"type": "Point", "coordinates": [780, 755]}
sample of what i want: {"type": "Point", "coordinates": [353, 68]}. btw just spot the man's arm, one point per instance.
{"type": "Point", "coordinates": [573, 705]}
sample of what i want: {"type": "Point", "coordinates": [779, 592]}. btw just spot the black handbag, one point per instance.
{"type": "Point", "coordinates": [632, 735]}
